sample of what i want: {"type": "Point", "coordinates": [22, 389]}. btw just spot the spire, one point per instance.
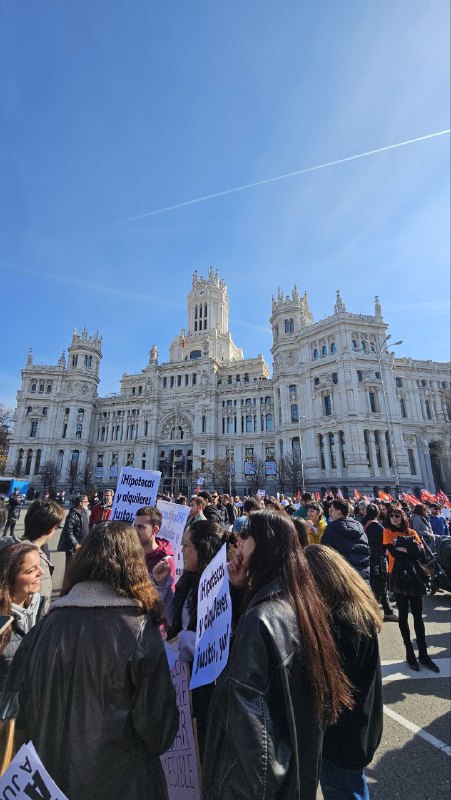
{"type": "Point", "coordinates": [295, 294]}
{"type": "Point", "coordinates": [339, 305]}
{"type": "Point", "coordinates": [153, 354]}
{"type": "Point", "coordinates": [30, 356]}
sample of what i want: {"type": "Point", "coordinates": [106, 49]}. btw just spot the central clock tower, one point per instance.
{"type": "Point", "coordinates": [208, 323]}
{"type": "Point", "coordinates": [208, 305]}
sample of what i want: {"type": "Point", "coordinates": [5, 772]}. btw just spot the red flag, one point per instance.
{"type": "Point", "coordinates": [427, 496]}
{"type": "Point", "coordinates": [384, 496]}
{"type": "Point", "coordinates": [356, 495]}
{"type": "Point", "coordinates": [441, 496]}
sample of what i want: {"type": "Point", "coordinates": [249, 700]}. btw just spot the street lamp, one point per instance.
{"type": "Point", "coordinates": [383, 350]}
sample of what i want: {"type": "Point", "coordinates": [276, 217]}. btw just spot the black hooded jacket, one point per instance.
{"type": "Point", "coordinates": [348, 538]}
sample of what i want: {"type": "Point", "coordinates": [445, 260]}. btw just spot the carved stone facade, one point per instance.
{"type": "Point", "coordinates": [339, 402]}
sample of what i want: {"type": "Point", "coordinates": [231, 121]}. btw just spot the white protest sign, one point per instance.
{"type": "Point", "coordinates": [135, 488]}
{"type": "Point", "coordinates": [261, 493]}
{"type": "Point", "coordinates": [27, 778]}
{"type": "Point", "coordinates": [214, 618]}
{"type": "Point", "coordinates": [174, 521]}
{"type": "Point", "coordinates": [172, 527]}
{"type": "Point", "coordinates": [180, 762]}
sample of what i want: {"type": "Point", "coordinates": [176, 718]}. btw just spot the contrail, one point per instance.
{"type": "Point", "coordinates": [285, 175]}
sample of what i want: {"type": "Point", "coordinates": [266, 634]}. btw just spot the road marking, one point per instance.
{"type": "Point", "coordinates": [418, 731]}
{"type": "Point", "coordinates": [399, 671]}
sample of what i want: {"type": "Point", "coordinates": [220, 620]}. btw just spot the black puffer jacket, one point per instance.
{"type": "Point", "coordinates": [263, 740]}
{"type": "Point", "coordinates": [96, 696]}
{"type": "Point", "coordinates": [349, 539]}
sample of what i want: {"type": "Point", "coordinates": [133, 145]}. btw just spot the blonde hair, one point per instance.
{"type": "Point", "coordinates": [344, 592]}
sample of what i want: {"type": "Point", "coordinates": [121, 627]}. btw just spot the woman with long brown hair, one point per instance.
{"type": "Point", "coordinates": [283, 683]}
{"type": "Point", "coordinates": [96, 696]}
{"type": "Point", "coordinates": [350, 743]}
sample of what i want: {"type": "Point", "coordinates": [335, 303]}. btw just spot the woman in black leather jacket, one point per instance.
{"type": "Point", "coordinates": [283, 682]}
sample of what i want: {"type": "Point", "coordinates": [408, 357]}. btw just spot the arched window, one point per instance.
{"type": "Point", "coordinates": [59, 461]}
{"type": "Point", "coordinates": [37, 463]}
{"type": "Point", "coordinates": [33, 387]}
{"type": "Point", "coordinates": [34, 429]}
{"type": "Point", "coordinates": [289, 326]}
{"type": "Point", "coordinates": [269, 423]}
{"type": "Point", "coordinates": [249, 424]}
{"type": "Point", "coordinates": [354, 344]}
{"type": "Point", "coordinates": [333, 348]}
{"type": "Point", "coordinates": [44, 411]}
{"type": "Point", "coordinates": [195, 354]}
{"type": "Point", "coordinates": [324, 350]}
{"type": "Point", "coordinates": [49, 388]}
{"type": "Point", "coordinates": [19, 463]}
{"type": "Point", "coordinates": [315, 353]}
{"type": "Point", "coordinates": [28, 462]}
{"type": "Point", "coordinates": [363, 344]}
{"type": "Point", "coordinates": [294, 412]}
{"type": "Point", "coordinates": [41, 388]}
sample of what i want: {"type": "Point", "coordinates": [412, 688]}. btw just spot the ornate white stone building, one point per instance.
{"type": "Point", "coordinates": [339, 402]}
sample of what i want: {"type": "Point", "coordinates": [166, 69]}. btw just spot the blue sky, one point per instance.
{"type": "Point", "coordinates": [110, 110]}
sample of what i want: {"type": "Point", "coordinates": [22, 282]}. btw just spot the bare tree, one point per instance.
{"type": "Point", "coordinates": [215, 471]}
{"type": "Point", "coordinates": [6, 418]}
{"type": "Point", "coordinates": [258, 479]}
{"type": "Point", "coordinates": [289, 471]}
{"type": "Point", "coordinates": [86, 475]}
{"type": "Point", "coordinates": [74, 475]}
{"type": "Point", "coordinates": [49, 475]}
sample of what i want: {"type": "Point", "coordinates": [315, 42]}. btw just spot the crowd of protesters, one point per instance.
{"type": "Point", "coordinates": [300, 700]}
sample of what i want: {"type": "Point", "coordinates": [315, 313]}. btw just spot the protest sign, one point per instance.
{"type": "Point", "coordinates": [135, 488]}
{"type": "Point", "coordinates": [174, 521]}
{"type": "Point", "coordinates": [26, 777]}
{"type": "Point", "coordinates": [214, 617]}
{"type": "Point", "coordinates": [172, 527]}
{"type": "Point", "coordinates": [261, 493]}
{"type": "Point", "coordinates": [180, 762]}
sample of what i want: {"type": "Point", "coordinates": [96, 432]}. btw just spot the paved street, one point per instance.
{"type": "Point", "coordinates": [414, 759]}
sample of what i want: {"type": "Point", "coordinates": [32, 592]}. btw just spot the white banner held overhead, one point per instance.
{"type": "Point", "coordinates": [135, 488]}
{"type": "Point", "coordinates": [26, 777]}
{"type": "Point", "coordinates": [180, 762]}
{"type": "Point", "coordinates": [214, 618]}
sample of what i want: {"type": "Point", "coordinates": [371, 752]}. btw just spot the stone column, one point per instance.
{"type": "Point", "coordinates": [373, 456]}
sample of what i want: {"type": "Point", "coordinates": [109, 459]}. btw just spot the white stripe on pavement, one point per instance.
{"type": "Point", "coordinates": [418, 731]}
{"type": "Point", "coordinates": [400, 671]}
